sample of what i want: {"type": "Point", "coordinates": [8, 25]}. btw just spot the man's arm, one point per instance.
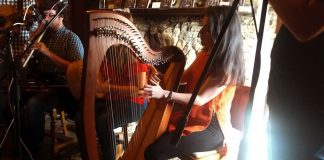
{"type": "Point", "coordinates": [304, 18]}
{"type": "Point", "coordinates": [60, 62]}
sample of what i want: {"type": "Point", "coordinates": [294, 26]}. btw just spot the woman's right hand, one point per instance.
{"type": "Point", "coordinates": [155, 78]}
{"type": "Point", "coordinates": [154, 91]}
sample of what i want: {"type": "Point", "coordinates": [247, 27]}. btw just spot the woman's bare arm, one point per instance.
{"type": "Point", "coordinates": [207, 92]}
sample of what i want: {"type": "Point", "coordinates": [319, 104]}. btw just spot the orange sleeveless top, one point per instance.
{"type": "Point", "coordinates": [200, 116]}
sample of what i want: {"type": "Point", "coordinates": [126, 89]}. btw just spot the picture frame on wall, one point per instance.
{"type": "Point", "coordinates": [129, 3]}
{"type": "Point", "coordinates": [211, 3]}
{"type": "Point", "coordinates": [112, 4]}
{"type": "Point", "coordinates": [186, 3]}
{"type": "Point", "coordinates": [167, 3]}
{"type": "Point", "coordinates": [143, 3]}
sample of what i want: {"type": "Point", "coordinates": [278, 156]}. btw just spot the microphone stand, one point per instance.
{"type": "Point", "coordinates": [14, 97]}
{"type": "Point", "coordinates": [15, 91]}
{"type": "Point", "coordinates": [14, 94]}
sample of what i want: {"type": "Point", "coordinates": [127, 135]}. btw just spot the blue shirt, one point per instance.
{"type": "Point", "coordinates": [65, 44]}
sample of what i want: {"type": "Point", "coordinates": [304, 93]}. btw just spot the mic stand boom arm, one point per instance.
{"type": "Point", "coordinates": [182, 123]}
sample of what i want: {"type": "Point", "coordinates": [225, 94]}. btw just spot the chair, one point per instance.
{"type": "Point", "coordinates": [122, 136]}
{"type": "Point", "coordinates": [239, 104]}
{"type": "Point", "coordinates": [60, 139]}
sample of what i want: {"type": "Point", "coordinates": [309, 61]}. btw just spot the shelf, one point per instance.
{"type": "Point", "coordinates": [168, 11]}
{"type": "Point", "coordinates": [198, 11]}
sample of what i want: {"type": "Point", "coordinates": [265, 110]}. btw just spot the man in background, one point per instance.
{"type": "Point", "coordinates": [296, 81]}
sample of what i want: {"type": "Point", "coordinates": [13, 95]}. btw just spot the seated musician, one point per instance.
{"type": "Point", "coordinates": [58, 48]}
{"type": "Point", "coordinates": [205, 129]}
{"type": "Point", "coordinates": [122, 78]}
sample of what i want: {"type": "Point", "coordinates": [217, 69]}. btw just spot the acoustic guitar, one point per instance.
{"type": "Point", "coordinates": [8, 15]}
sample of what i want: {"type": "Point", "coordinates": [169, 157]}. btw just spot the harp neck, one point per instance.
{"type": "Point", "coordinates": [120, 30]}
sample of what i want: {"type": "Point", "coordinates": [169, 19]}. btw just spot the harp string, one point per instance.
{"type": "Point", "coordinates": [123, 61]}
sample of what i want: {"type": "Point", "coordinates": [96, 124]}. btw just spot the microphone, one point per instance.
{"type": "Point", "coordinates": [37, 16]}
{"type": "Point", "coordinates": [30, 16]}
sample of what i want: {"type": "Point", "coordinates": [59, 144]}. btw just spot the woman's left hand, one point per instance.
{"type": "Point", "coordinates": [154, 91]}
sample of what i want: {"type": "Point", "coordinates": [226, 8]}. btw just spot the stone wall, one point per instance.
{"type": "Point", "coordinates": [182, 31]}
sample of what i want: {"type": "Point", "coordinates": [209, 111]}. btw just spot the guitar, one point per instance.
{"type": "Point", "coordinates": [8, 14]}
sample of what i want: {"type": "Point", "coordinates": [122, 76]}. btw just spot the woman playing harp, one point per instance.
{"type": "Point", "coordinates": [205, 126]}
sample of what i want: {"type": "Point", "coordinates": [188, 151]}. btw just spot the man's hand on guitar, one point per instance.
{"type": "Point", "coordinates": [41, 47]}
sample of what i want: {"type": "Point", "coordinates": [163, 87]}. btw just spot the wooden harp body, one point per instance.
{"type": "Point", "coordinates": [106, 29]}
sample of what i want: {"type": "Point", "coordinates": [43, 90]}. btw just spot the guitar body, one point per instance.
{"type": "Point", "coordinates": [7, 12]}
{"type": "Point", "coordinates": [7, 16]}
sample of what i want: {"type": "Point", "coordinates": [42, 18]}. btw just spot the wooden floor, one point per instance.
{"type": "Point", "coordinates": [8, 153]}
{"type": "Point", "coordinates": [8, 150]}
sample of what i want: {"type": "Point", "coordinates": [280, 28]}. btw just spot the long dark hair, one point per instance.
{"type": "Point", "coordinates": [228, 64]}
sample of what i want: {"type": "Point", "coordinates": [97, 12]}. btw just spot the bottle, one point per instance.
{"type": "Point", "coordinates": [113, 4]}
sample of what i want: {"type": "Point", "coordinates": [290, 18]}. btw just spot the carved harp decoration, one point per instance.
{"type": "Point", "coordinates": [106, 29]}
{"type": "Point", "coordinates": [130, 39]}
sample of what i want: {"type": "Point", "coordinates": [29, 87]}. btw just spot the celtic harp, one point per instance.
{"type": "Point", "coordinates": [108, 29]}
